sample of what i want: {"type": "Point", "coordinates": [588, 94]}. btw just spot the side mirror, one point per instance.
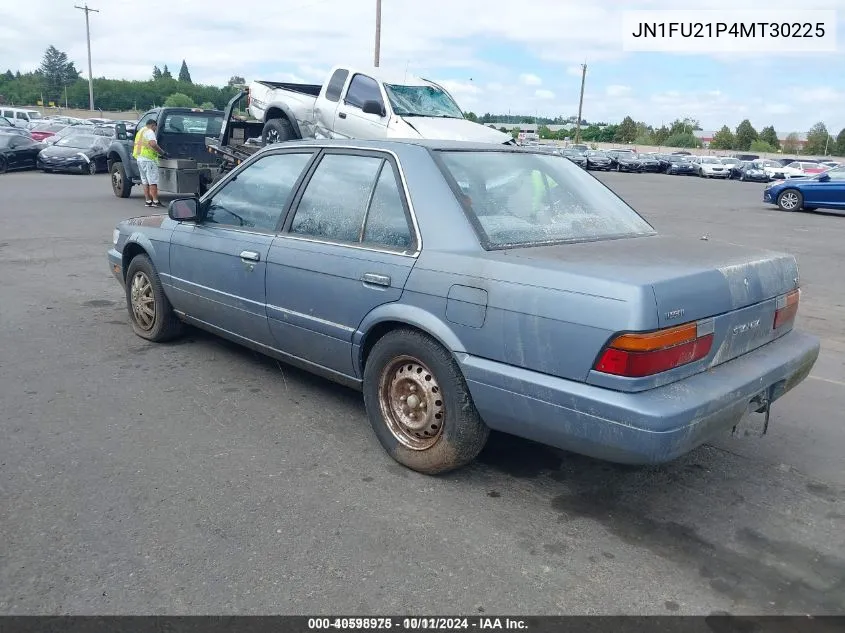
{"type": "Point", "coordinates": [120, 132]}
{"type": "Point", "coordinates": [824, 177]}
{"type": "Point", "coordinates": [184, 210]}
{"type": "Point", "coordinates": [373, 107]}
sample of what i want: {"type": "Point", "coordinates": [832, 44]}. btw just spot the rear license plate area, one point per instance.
{"type": "Point", "coordinates": [755, 420]}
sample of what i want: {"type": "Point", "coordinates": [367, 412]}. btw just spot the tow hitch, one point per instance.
{"type": "Point", "coordinates": [755, 422]}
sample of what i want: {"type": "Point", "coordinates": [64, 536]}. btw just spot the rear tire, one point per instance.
{"type": "Point", "coordinates": [419, 405]}
{"type": "Point", "coordinates": [3, 165]}
{"type": "Point", "coordinates": [150, 312]}
{"type": "Point", "coordinates": [277, 131]}
{"type": "Point", "coordinates": [92, 168]}
{"type": "Point", "coordinates": [120, 184]}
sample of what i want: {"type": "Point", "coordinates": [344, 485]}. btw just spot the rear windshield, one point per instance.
{"type": "Point", "coordinates": [526, 199]}
{"type": "Point", "coordinates": [200, 123]}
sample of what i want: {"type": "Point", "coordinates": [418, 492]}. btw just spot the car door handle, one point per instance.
{"type": "Point", "coordinates": [250, 255]}
{"type": "Point", "coordinates": [375, 279]}
{"type": "Point", "coordinates": [342, 115]}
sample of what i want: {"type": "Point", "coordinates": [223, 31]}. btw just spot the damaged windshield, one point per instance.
{"type": "Point", "coordinates": [422, 101]}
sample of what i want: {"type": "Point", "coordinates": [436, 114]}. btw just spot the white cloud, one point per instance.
{"type": "Point", "coordinates": [530, 80]}
{"type": "Point", "coordinates": [219, 38]}
{"type": "Point", "coordinates": [616, 90]}
{"type": "Point", "coordinates": [544, 94]}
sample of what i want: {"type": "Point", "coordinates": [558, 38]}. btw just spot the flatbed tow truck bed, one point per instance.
{"type": "Point", "coordinates": [233, 144]}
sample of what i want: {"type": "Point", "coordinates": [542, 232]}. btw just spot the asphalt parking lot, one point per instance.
{"type": "Point", "coordinates": [199, 477]}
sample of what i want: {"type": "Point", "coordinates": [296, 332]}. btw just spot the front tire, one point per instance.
{"type": "Point", "coordinates": [790, 200]}
{"type": "Point", "coordinates": [92, 168]}
{"type": "Point", "coordinates": [120, 184]}
{"type": "Point", "coordinates": [419, 405]}
{"type": "Point", "coordinates": [150, 312]}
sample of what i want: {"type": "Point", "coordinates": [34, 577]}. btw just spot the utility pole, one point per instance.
{"type": "Point", "coordinates": [378, 33]}
{"type": "Point", "coordinates": [88, 37]}
{"type": "Point", "coordinates": [580, 103]}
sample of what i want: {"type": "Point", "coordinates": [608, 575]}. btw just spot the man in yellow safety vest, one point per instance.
{"type": "Point", "coordinates": [147, 152]}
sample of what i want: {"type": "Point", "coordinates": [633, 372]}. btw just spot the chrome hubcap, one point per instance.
{"type": "Point", "coordinates": [142, 298]}
{"type": "Point", "coordinates": [411, 403]}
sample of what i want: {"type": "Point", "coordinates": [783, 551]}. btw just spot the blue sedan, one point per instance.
{"type": "Point", "coordinates": [467, 287]}
{"type": "Point", "coordinates": [822, 191]}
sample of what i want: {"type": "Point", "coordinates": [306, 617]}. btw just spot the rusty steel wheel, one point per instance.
{"type": "Point", "coordinates": [143, 301]}
{"type": "Point", "coordinates": [411, 403]}
{"type": "Point", "coordinates": [150, 312]}
{"type": "Point", "coordinates": [419, 405]}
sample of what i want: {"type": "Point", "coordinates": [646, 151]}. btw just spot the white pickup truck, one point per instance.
{"type": "Point", "coordinates": [366, 104]}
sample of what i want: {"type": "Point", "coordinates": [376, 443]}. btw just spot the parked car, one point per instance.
{"type": "Point", "coordinates": [105, 130]}
{"type": "Point", "coordinates": [746, 157]}
{"type": "Point", "coordinates": [20, 117]}
{"type": "Point", "coordinates": [731, 163]}
{"type": "Point", "coordinates": [68, 130]}
{"type": "Point", "coordinates": [830, 163]}
{"type": "Point", "coordinates": [650, 163]}
{"type": "Point", "coordinates": [679, 166]}
{"type": "Point", "coordinates": [711, 167]}
{"type": "Point", "coordinates": [367, 104]}
{"type": "Point", "coordinates": [822, 191]}
{"type": "Point", "coordinates": [576, 157]}
{"type": "Point", "coordinates": [78, 153]}
{"type": "Point", "coordinates": [45, 130]}
{"type": "Point", "coordinates": [17, 152]}
{"type": "Point", "coordinates": [331, 255]}
{"type": "Point", "coordinates": [7, 127]}
{"type": "Point", "coordinates": [624, 160]}
{"type": "Point", "coordinates": [598, 160]}
{"type": "Point", "coordinates": [750, 171]}
{"type": "Point", "coordinates": [579, 147]}
{"type": "Point", "coordinates": [807, 167]}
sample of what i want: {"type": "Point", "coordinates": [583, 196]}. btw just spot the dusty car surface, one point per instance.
{"type": "Point", "coordinates": [465, 287]}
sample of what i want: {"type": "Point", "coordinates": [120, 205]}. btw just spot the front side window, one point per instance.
{"type": "Point", "coordinates": [257, 196]}
{"type": "Point", "coordinates": [522, 199]}
{"type": "Point", "coordinates": [837, 173]}
{"type": "Point", "coordinates": [361, 89]}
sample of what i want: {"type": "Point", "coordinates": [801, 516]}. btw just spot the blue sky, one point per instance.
{"type": "Point", "coordinates": [494, 56]}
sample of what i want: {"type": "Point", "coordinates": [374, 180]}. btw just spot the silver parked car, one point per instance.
{"type": "Point", "coordinates": [466, 287]}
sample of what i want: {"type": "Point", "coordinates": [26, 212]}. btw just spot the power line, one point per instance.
{"type": "Point", "coordinates": [88, 38]}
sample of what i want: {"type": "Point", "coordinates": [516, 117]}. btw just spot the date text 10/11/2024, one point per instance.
{"type": "Point", "coordinates": [417, 624]}
{"type": "Point", "coordinates": [707, 31]}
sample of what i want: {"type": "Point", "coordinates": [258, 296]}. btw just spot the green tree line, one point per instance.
{"type": "Point", "coordinates": [58, 81]}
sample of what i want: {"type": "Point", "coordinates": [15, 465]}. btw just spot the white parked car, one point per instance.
{"type": "Point", "coordinates": [367, 103]}
{"type": "Point", "coordinates": [711, 167]}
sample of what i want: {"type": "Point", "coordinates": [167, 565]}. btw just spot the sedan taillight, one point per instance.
{"type": "Point", "coordinates": [787, 309]}
{"type": "Point", "coordinates": [644, 354]}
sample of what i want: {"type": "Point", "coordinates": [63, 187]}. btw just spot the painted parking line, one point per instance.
{"type": "Point", "coordinates": [830, 380]}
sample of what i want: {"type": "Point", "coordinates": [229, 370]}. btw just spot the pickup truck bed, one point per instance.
{"type": "Point", "coordinates": [306, 89]}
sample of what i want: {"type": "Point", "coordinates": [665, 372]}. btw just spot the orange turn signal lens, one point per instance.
{"type": "Point", "coordinates": [651, 341]}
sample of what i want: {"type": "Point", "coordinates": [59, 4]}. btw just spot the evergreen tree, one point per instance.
{"type": "Point", "coordinates": [184, 75]}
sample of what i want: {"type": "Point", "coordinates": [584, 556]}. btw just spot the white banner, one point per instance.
{"type": "Point", "coordinates": [711, 31]}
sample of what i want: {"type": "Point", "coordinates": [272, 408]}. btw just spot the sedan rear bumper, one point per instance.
{"type": "Point", "coordinates": [636, 428]}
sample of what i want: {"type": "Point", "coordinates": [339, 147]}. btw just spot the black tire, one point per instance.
{"type": "Point", "coordinates": [120, 184]}
{"type": "Point", "coordinates": [92, 168]}
{"type": "Point", "coordinates": [790, 200]}
{"type": "Point", "coordinates": [454, 431]}
{"type": "Point", "coordinates": [164, 324]}
{"type": "Point", "coordinates": [277, 131]}
{"type": "Point", "coordinates": [3, 165]}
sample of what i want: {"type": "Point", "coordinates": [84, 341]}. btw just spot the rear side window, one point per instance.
{"type": "Point", "coordinates": [335, 86]}
{"type": "Point", "coordinates": [361, 89]}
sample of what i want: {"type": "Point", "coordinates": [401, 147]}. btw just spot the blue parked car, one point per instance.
{"type": "Point", "coordinates": [467, 287]}
{"type": "Point", "coordinates": [822, 191]}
